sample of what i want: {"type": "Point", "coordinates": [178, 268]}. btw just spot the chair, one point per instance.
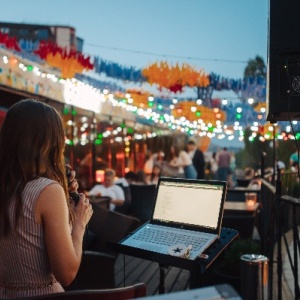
{"type": "Point", "coordinates": [97, 266]}
{"type": "Point", "coordinates": [102, 201]}
{"type": "Point", "coordinates": [129, 292]}
{"type": "Point", "coordinates": [125, 208]}
{"type": "Point", "coordinates": [107, 225]}
{"type": "Point", "coordinates": [142, 201]}
{"type": "Point", "coordinates": [93, 264]}
{"type": "Point", "coordinates": [244, 224]}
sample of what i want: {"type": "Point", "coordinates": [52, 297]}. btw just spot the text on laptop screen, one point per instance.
{"type": "Point", "coordinates": [189, 203]}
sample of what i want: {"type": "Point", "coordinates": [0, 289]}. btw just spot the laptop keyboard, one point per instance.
{"type": "Point", "coordinates": [166, 238]}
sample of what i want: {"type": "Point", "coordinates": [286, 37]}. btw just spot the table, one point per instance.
{"type": "Point", "coordinates": [238, 194]}
{"type": "Point", "coordinates": [239, 216]}
{"type": "Point", "coordinates": [199, 265]}
{"type": "Point", "coordinates": [240, 208]}
{"type": "Point", "coordinates": [221, 291]}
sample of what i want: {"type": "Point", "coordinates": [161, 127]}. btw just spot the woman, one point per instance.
{"type": "Point", "coordinates": [41, 231]}
{"type": "Point", "coordinates": [181, 159]}
{"type": "Point", "coordinates": [214, 166]}
{"type": "Point", "coordinates": [155, 175]}
{"type": "Point", "coordinates": [140, 177]}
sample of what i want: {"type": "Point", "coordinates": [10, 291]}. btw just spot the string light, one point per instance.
{"type": "Point", "coordinates": [166, 120]}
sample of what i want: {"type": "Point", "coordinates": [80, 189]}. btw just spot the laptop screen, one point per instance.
{"type": "Point", "coordinates": [190, 202]}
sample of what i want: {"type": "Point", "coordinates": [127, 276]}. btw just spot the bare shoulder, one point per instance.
{"type": "Point", "coordinates": [51, 200]}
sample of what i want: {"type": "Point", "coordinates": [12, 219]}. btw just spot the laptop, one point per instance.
{"type": "Point", "coordinates": [186, 218]}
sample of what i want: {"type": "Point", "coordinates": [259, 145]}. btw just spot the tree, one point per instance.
{"type": "Point", "coordinates": [255, 67]}
{"type": "Point", "coordinates": [250, 156]}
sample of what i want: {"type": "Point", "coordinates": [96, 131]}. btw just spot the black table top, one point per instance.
{"type": "Point", "coordinates": [226, 237]}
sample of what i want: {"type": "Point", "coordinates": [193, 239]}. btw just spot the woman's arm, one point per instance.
{"type": "Point", "coordinates": [64, 247]}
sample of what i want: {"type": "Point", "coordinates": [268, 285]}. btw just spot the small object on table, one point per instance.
{"type": "Point", "coordinates": [251, 199]}
{"type": "Point", "coordinates": [180, 250]}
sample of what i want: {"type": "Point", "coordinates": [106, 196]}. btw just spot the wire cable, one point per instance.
{"type": "Point", "coordinates": [166, 55]}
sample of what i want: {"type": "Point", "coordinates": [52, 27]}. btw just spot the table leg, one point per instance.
{"type": "Point", "coordinates": [162, 272]}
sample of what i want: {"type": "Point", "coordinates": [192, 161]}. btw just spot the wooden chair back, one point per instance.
{"type": "Point", "coordinates": [130, 292]}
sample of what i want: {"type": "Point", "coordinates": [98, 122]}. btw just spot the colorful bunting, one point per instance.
{"type": "Point", "coordinates": [139, 97]}
{"type": "Point", "coordinates": [175, 78]}
{"type": "Point", "coordinates": [70, 62]}
{"type": "Point", "coordinates": [193, 112]}
{"type": "Point", "coordinates": [10, 43]}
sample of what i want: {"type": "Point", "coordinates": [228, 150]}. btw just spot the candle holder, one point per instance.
{"type": "Point", "coordinates": [251, 199]}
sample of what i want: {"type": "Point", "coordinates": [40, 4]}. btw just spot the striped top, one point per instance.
{"type": "Point", "coordinates": [24, 265]}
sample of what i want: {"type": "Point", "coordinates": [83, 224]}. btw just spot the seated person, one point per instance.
{"type": "Point", "coordinates": [109, 189]}
{"type": "Point", "coordinates": [244, 177]}
{"type": "Point", "coordinates": [255, 183]}
{"type": "Point", "coordinates": [249, 173]}
{"type": "Point", "coordinates": [129, 177]}
{"type": "Point", "coordinates": [140, 177]}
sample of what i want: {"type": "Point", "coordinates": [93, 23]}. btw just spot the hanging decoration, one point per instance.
{"type": "Point", "coordinates": [249, 87]}
{"type": "Point", "coordinates": [193, 112]}
{"type": "Point", "coordinates": [10, 43]}
{"type": "Point", "coordinates": [260, 107]}
{"type": "Point", "coordinates": [206, 122]}
{"type": "Point", "coordinates": [117, 71]}
{"type": "Point", "coordinates": [204, 142]}
{"type": "Point", "coordinates": [69, 62]}
{"type": "Point", "coordinates": [138, 97]}
{"type": "Point", "coordinates": [175, 78]}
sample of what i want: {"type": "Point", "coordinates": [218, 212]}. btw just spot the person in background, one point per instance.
{"type": "Point", "coordinates": [214, 166]}
{"type": "Point", "coordinates": [249, 173]}
{"type": "Point", "coordinates": [125, 181]}
{"type": "Point", "coordinates": [109, 189]}
{"type": "Point", "coordinates": [41, 230]}
{"type": "Point", "coordinates": [154, 159]}
{"type": "Point", "coordinates": [294, 158]}
{"type": "Point", "coordinates": [130, 177]}
{"type": "Point", "coordinates": [197, 157]}
{"type": "Point", "coordinates": [155, 175]}
{"type": "Point", "coordinates": [148, 163]}
{"type": "Point", "coordinates": [223, 159]}
{"type": "Point", "coordinates": [280, 165]}
{"type": "Point", "coordinates": [231, 175]}
{"type": "Point", "coordinates": [181, 159]}
{"type": "Point", "coordinates": [295, 167]}
{"type": "Point", "coordinates": [232, 164]}
{"type": "Point", "coordinates": [159, 159]}
{"type": "Point", "coordinates": [140, 177]}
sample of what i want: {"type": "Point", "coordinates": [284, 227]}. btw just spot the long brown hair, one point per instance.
{"type": "Point", "coordinates": [32, 144]}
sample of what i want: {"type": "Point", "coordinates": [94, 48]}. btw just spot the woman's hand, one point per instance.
{"type": "Point", "coordinates": [83, 211]}
{"type": "Point", "coordinates": [72, 182]}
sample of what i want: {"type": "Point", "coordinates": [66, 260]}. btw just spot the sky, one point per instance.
{"type": "Point", "coordinates": [218, 36]}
